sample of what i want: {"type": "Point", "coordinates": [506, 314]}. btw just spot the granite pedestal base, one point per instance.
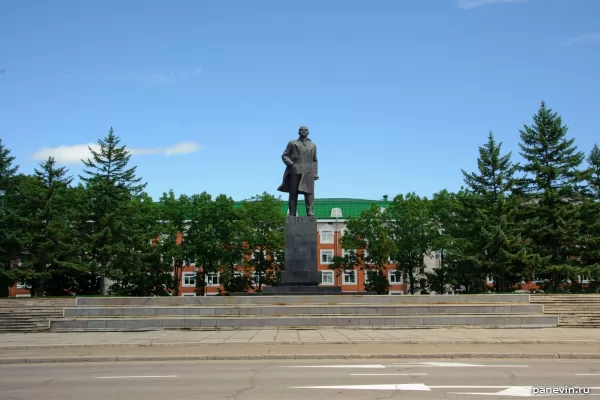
{"type": "Point", "coordinates": [300, 252]}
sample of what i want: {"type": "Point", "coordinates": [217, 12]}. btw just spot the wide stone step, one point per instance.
{"type": "Point", "coordinates": [379, 321]}
{"type": "Point", "coordinates": [314, 309]}
{"type": "Point", "coordinates": [300, 300]}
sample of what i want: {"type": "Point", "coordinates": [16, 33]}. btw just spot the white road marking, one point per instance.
{"type": "Point", "coordinates": [515, 391]}
{"type": "Point", "coordinates": [461, 365]}
{"type": "Point", "coordinates": [520, 391]}
{"type": "Point", "coordinates": [404, 386]}
{"type": "Point", "coordinates": [136, 376]}
{"type": "Point", "coordinates": [415, 374]}
{"type": "Point", "coordinates": [335, 366]}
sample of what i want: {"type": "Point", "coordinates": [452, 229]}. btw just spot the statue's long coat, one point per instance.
{"type": "Point", "coordinates": [300, 157]}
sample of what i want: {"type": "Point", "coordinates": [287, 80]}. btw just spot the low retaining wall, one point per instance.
{"type": "Point", "coordinates": [284, 300]}
{"type": "Point", "coordinates": [302, 310]}
{"type": "Point", "coordinates": [145, 324]}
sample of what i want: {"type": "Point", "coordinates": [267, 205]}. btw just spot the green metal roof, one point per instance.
{"type": "Point", "coordinates": [323, 207]}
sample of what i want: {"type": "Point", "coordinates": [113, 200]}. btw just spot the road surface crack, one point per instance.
{"type": "Point", "coordinates": [251, 385]}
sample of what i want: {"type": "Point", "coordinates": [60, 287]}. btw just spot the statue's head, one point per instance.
{"type": "Point", "coordinates": [303, 132]}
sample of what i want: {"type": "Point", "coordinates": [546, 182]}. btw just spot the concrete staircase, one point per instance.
{"type": "Point", "coordinates": [30, 315]}
{"type": "Point", "coordinates": [252, 312]}
{"type": "Point", "coordinates": [573, 310]}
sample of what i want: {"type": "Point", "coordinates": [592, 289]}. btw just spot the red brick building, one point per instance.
{"type": "Point", "coordinates": [331, 223]}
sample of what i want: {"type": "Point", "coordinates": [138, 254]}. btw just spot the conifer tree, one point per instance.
{"type": "Point", "coordinates": [497, 239]}
{"type": "Point", "coordinates": [9, 246]}
{"type": "Point", "coordinates": [48, 241]}
{"type": "Point", "coordinates": [110, 188]}
{"type": "Point", "coordinates": [590, 250]}
{"type": "Point", "coordinates": [553, 185]}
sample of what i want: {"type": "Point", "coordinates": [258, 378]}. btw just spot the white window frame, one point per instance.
{"type": "Point", "coordinates": [22, 286]}
{"type": "Point", "coordinates": [261, 275]}
{"type": "Point", "coordinates": [328, 273]}
{"type": "Point", "coordinates": [258, 251]}
{"type": "Point", "coordinates": [584, 279]}
{"type": "Point", "coordinates": [325, 251]}
{"type": "Point", "coordinates": [490, 279]}
{"type": "Point", "coordinates": [349, 273]}
{"type": "Point", "coordinates": [327, 229]}
{"type": "Point", "coordinates": [395, 273]}
{"type": "Point", "coordinates": [212, 275]}
{"type": "Point", "coordinates": [183, 275]}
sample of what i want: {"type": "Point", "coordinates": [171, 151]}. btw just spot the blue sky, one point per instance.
{"type": "Point", "coordinates": [398, 95]}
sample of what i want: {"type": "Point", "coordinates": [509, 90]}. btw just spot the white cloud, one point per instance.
{"type": "Point", "coordinates": [469, 4]}
{"type": "Point", "coordinates": [588, 37]}
{"type": "Point", "coordinates": [75, 153]}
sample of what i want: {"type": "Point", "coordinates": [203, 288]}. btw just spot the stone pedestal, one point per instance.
{"type": "Point", "coordinates": [300, 252]}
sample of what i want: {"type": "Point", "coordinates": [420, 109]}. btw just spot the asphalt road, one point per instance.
{"type": "Point", "coordinates": [294, 380]}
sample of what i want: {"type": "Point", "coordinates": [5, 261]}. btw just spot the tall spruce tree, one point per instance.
{"type": "Point", "coordinates": [457, 242]}
{"type": "Point", "coordinates": [49, 247]}
{"type": "Point", "coordinates": [552, 185]}
{"type": "Point", "coordinates": [590, 251]}
{"type": "Point", "coordinates": [497, 244]}
{"type": "Point", "coordinates": [110, 187]}
{"type": "Point", "coordinates": [9, 246]}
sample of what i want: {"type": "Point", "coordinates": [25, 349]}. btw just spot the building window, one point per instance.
{"type": "Point", "coordinates": [490, 279]}
{"type": "Point", "coordinates": [327, 278]}
{"type": "Point", "coordinates": [256, 252]}
{"type": "Point", "coordinates": [349, 277]}
{"type": "Point", "coordinates": [189, 279]}
{"type": "Point", "coordinates": [212, 279]}
{"type": "Point", "coordinates": [258, 277]}
{"type": "Point", "coordinates": [326, 235]}
{"type": "Point", "coordinates": [21, 285]}
{"type": "Point", "coordinates": [584, 279]}
{"type": "Point", "coordinates": [326, 256]}
{"type": "Point", "coordinates": [395, 277]}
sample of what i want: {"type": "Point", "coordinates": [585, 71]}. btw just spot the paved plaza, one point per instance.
{"type": "Point", "coordinates": [298, 336]}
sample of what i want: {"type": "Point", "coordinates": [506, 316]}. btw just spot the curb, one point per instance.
{"type": "Point", "coordinates": [146, 358]}
{"type": "Point", "coordinates": [303, 342]}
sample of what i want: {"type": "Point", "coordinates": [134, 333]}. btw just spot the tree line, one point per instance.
{"type": "Point", "coordinates": [512, 222]}
{"type": "Point", "coordinates": [63, 239]}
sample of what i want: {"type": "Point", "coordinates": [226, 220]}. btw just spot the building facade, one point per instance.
{"type": "Point", "coordinates": [331, 223]}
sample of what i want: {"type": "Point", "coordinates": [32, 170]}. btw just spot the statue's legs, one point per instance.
{"type": "Point", "coordinates": [309, 199]}
{"type": "Point", "coordinates": [293, 203]}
